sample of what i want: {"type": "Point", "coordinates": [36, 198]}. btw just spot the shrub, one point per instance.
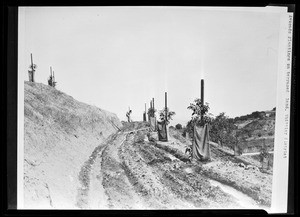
{"type": "Point", "coordinates": [178, 126]}
{"type": "Point", "coordinates": [198, 110]}
{"type": "Point", "coordinates": [162, 114]}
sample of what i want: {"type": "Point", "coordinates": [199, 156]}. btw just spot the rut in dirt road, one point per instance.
{"type": "Point", "coordinates": [128, 172]}
{"type": "Point", "coordinates": [143, 176]}
{"type": "Point", "coordinates": [84, 174]}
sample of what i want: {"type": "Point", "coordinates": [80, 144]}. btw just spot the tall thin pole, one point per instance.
{"type": "Point", "coordinates": [32, 68]}
{"type": "Point", "coordinates": [202, 95]}
{"type": "Point", "coordinates": [145, 111]}
{"type": "Point", "coordinates": [166, 114]}
{"type": "Point", "coordinates": [153, 103]}
{"type": "Point", "coordinates": [31, 61]}
{"type": "Point", "coordinates": [51, 77]}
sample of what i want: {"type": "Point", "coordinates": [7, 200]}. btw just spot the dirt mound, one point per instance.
{"type": "Point", "coordinates": [60, 134]}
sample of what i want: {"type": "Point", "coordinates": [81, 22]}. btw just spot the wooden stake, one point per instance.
{"type": "Point", "coordinates": [145, 111]}
{"type": "Point", "coordinates": [153, 103]}
{"type": "Point", "coordinates": [32, 69]}
{"type": "Point", "coordinates": [202, 95]}
{"type": "Point", "coordinates": [166, 107]}
{"type": "Point", "coordinates": [166, 114]}
{"type": "Point", "coordinates": [31, 61]}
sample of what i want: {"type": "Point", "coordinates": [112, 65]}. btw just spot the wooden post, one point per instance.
{"type": "Point", "coordinates": [31, 60]}
{"type": "Point", "coordinates": [153, 105]}
{"type": "Point", "coordinates": [166, 114]}
{"type": "Point", "coordinates": [149, 113]}
{"type": "Point", "coordinates": [202, 96]}
{"type": "Point", "coordinates": [145, 113]}
{"type": "Point", "coordinates": [51, 76]}
{"type": "Point", "coordinates": [31, 78]}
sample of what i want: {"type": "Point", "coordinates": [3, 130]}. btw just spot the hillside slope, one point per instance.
{"type": "Point", "coordinates": [60, 133]}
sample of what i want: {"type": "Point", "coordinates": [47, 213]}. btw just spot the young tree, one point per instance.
{"type": "Point", "coordinates": [199, 111]}
{"type": "Point", "coordinates": [178, 126]}
{"type": "Point", "coordinates": [162, 115]}
{"type": "Point", "coordinates": [151, 112]}
{"type": "Point", "coordinates": [264, 154]}
{"type": "Point", "coordinates": [224, 131]}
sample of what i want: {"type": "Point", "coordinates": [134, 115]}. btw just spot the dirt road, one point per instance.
{"type": "Point", "coordinates": [129, 172]}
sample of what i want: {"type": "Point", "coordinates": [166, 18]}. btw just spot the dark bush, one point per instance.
{"type": "Point", "coordinates": [178, 126]}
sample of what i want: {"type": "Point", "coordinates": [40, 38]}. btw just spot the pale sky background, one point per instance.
{"type": "Point", "coordinates": [114, 57]}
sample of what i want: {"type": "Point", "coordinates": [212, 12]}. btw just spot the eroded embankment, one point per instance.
{"type": "Point", "coordinates": [60, 134]}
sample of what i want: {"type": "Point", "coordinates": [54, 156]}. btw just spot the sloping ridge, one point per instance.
{"type": "Point", "coordinates": [60, 134]}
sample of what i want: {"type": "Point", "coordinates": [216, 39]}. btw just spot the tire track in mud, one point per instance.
{"type": "Point", "coordinates": [145, 181]}
{"type": "Point", "coordinates": [118, 188]}
{"type": "Point", "coordinates": [130, 173]}
{"type": "Point", "coordinates": [92, 175]}
{"type": "Point", "coordinates": [184, 180]}
{"type": "Point", "coordinates": [84, 174]}
{"type": "Point", "coordinates": [166, 184]}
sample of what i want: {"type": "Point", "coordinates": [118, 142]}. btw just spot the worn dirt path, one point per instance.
{"type": "Point", "coordinates": [128, 172]}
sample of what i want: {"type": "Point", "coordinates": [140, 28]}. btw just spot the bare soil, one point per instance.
{"type": "Point", "coordinates": [127, 172]}
{"type": "Point", "coordinates": [78, 156]}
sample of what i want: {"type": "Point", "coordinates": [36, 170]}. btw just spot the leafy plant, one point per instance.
{"type": "Point", "coordinates": [224, 130]}
{"type": "Point", "coordinates": [198, 111]}
{"type": "Point", "coordinates": [151, 112]}
{"type": "Point", "coordinates": [178, 126]}
{"type": "Point", "coordinates": [162, 115]}
{"type": "Point", "coordinates": [34, 66]}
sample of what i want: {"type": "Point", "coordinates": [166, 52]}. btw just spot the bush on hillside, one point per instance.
{"type": "Point", "coordinates": [178, 126]}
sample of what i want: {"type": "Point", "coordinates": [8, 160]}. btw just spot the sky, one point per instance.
{"type": "Point", "coordinates": [120, 57]}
